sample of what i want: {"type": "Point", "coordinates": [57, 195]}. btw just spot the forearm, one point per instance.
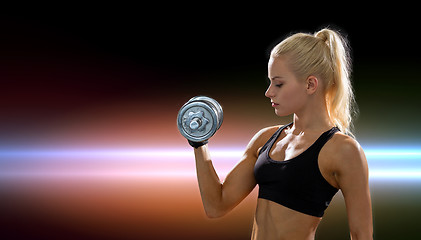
{"type": "Point", "coordinates": [209, 184]}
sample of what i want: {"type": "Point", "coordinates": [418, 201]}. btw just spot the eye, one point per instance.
{"type": "Point", "coordinates": [279, 85]}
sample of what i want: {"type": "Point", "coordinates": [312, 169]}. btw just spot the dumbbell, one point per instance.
{"type": "Point", "coordinates": [199, 118]}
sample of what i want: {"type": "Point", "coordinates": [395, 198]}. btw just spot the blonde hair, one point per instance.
{"type": "Point", "coordinates": [324, 54]}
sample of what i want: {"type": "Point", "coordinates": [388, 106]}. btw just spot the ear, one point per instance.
{"type": "Point", "coordinates": [311, 83]}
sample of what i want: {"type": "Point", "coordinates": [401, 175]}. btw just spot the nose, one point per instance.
{"type": "Point", "coordinates": [269, 92]}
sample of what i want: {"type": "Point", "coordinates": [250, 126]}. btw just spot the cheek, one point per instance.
{"type": "Point", "coordinates": [291, 99]}
{"type": "Point", "coordinates": [293, 94]}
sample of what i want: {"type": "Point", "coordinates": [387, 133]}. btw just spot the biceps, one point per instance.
{"type": "Point", "coordinates": [355, 188]}
{"type": "Point", "coordinates": [358, 207]}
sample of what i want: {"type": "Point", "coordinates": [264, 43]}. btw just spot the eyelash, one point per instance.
{"type": "Point", "coordinates": [279, 85]}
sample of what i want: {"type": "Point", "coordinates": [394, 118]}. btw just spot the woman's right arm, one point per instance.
{"type": "Point", "coordinates": [220, 197]}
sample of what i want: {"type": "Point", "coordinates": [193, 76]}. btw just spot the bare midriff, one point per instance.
{"type": "Point", "coordinates": [274, 221]}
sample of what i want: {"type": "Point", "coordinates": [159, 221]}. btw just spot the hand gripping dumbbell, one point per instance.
{"type": "Point", "coordinates": [199, 119]}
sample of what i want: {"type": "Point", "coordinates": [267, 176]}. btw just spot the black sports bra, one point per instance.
{"type": "Point", "coordinates": [296, 183]}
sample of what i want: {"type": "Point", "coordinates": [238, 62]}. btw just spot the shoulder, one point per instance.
{"type": "Point", "coordinates": [345, 152]}
{"type": "Point", "coordinates": [267, 132]}
{"type": "Point", "coordinates": [260, 138]}
{"type": "Point", "coordinates": [346, 146]}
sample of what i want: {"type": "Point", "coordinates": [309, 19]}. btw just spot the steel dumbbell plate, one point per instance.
{"type": "Point", "coordinates": [199, 118]}
{"type": "Point", "coordinates": [217, 107]}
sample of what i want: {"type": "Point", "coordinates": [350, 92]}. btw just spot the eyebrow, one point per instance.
{"type": "Point", "coordinates": [275, 77]}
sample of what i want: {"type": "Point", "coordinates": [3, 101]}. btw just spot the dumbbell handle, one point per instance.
{"type": "Point", "coordinates": [197, 144]}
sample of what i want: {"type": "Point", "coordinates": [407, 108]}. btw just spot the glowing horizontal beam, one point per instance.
{"type": "Point", "coordinates": [396, 174]}
{"type": "Point", "coordinates": [386, 163]}
{"type": "Point", "coordinates": [115, 153]}
{"type": "Point", "coordinates": [179, 153]}
{"type": "Point", "coordinates": [375, 175]}
{"type": "Point", "coordinates": [98, 174]}
{"type": "Point", "coordinates": [386, 154]}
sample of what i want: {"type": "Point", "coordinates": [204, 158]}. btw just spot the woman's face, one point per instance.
{"type": "Point", "coordinates": [287, 93]}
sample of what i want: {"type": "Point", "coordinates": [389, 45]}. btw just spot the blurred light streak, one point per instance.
{"type": "Point", "coordinates": [97, 174]}
{"type": "Point", "coordinates": [393, 153]}
{"type": "Point", "coordinates": [113, 153]}
{"type": "Point", "coordinates": [384, 163]}
{"type": "Point", "coordinates": [402, 174]}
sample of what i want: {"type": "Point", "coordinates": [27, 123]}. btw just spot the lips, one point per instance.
{"type": "Point", "coordinates": [274, 104]}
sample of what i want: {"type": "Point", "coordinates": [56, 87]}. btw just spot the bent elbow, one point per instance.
{"type": "Point", "coordinates": [361, 235]}
{"type": "Point", "coordinates": [214, 213]}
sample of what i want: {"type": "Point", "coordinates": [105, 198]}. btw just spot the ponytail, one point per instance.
{"type": "Point", "coordinates": [325, 55]}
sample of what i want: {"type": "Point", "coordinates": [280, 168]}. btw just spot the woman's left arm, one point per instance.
{"type": "Point", "coordinates": [352, 177]}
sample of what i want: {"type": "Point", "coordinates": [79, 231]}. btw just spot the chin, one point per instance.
{"type": "Point", "coordinates": [282, 113]}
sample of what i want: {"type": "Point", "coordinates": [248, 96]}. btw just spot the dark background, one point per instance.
{"type": "Point", "coordinates": [87, 76]}
{"type": "Point", "coordinates": [59, 60]}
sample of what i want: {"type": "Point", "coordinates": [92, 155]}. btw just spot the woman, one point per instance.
{"type": "Point", "coordinates": [299, 167]}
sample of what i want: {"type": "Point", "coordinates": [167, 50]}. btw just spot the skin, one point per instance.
{"type": "Point", "coordinates": [341, 161]}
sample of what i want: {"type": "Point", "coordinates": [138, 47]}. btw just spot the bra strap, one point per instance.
{"type": "Point", "coordinates": [326, 136]}
{"type": "Point", "coordinates": [273, 138]}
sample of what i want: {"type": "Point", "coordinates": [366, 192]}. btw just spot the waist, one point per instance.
{"type": "Point", "coordinates": [274, 221]}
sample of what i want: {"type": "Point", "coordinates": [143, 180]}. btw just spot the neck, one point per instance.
{"type": "Point", "coordinates": [314, 117]}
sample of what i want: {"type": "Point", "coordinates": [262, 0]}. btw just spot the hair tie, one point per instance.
{"type": "Point", "coordinates": [323, 35]}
